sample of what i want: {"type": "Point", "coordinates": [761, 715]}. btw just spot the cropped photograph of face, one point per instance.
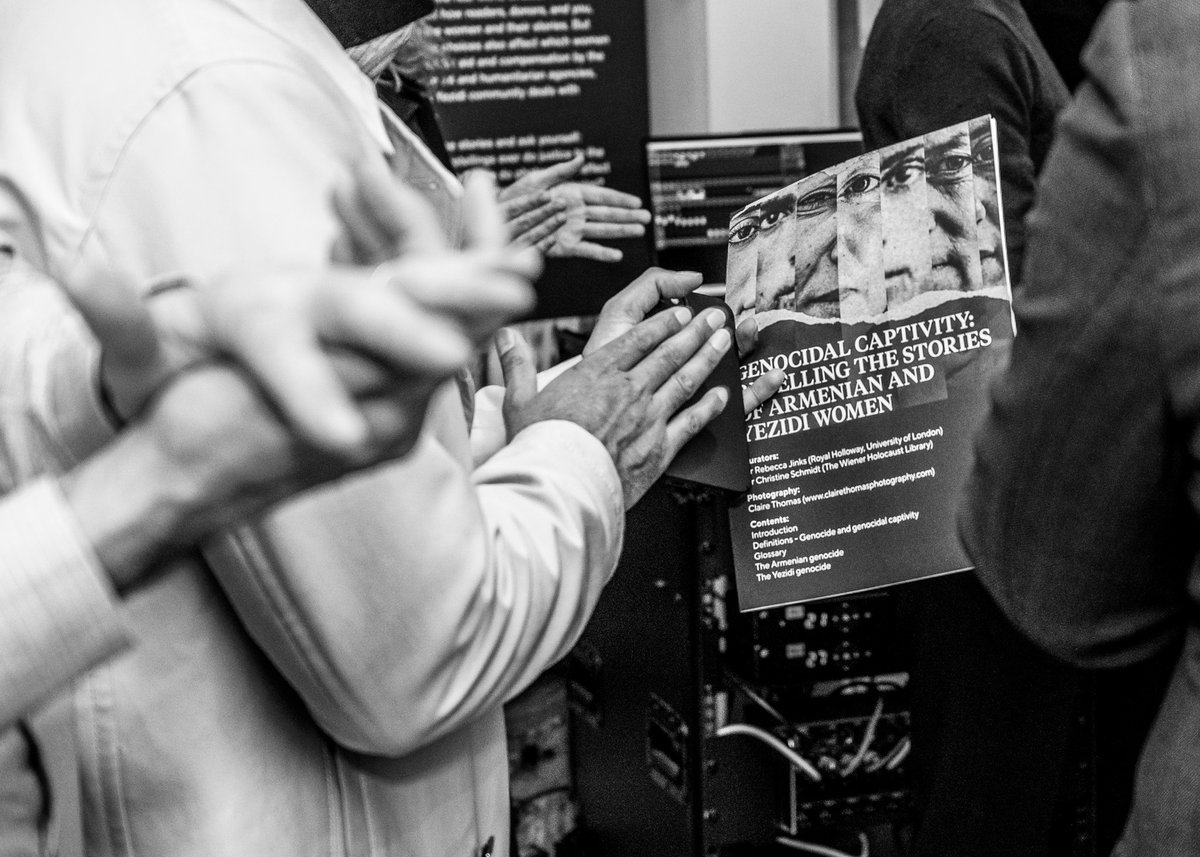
{"type": "Point", "coordinates": [862, 290]}
{"type": "Point", "coordinates": [987, 205]}
{"type": "Point", "coordinates": [742, 262]}
{"type": "Point", "coordinates": [816, 245]}
{"type": "Point", "coordinates": [950, 183]}
{"type": "Point", "coordinates": [775, 272]}
{"type": "Point", "coordinates": [907, 258]}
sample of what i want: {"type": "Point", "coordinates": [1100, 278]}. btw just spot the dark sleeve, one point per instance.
{"type": "Point", "coordinates": [1082, 512]}
{"type": "Point", "coordinates": [966, 65]}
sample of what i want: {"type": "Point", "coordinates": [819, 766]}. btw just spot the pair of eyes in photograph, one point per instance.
{"type": "Point", "coordinates": [942, 171]}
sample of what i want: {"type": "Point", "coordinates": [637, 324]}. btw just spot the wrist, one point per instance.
{"type": "Point", "coordinates": [131, 504]}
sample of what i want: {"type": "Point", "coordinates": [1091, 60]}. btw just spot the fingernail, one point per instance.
{"type": "Point", "coordinates": [485, 177]}
{"type": "Point", "coordinates": [720, 340]}
{"type": "Point", "coordinates": [682, 314]}
{"type": "Point", "coordinates": [714, 318]}
{"type": "Point", "coordinates": [504, 340]}
{"type": "Point", "coordinates": [347, 430]}
{"type": "Point", "coordinates": [722, 396]}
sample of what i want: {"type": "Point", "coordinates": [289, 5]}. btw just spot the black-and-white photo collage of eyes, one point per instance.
{"type": "Point", "coordinates": [879, 238]}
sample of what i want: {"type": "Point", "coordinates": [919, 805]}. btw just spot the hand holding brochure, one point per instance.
{"type": "Point", "coordinates": [881, 288]}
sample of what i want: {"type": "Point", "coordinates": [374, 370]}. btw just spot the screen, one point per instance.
{"type": "Point", "coordinates": [696, 183]}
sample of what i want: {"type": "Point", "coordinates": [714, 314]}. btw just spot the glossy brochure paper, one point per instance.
{"type": "Point", "coordinates": [881, 288]}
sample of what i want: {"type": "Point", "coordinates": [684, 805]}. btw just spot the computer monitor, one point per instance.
{"type": "Point", "coordinates": [697, 182]}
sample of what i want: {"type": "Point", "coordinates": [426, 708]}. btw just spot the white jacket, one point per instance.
{"type": "Point", "coordinates": [339, 690]}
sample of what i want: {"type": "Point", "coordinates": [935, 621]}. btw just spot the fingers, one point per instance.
{"type": "Point", "coordinates": [555, 174]}
{"type": "Point", "coordinates": [543, 179]}
{"type": "Point", "coordinates": [117, 317]}
{"type": "Point", "coordinates": [762, 388]}
{"type": "Point", "coordinates": [513, 206]}
{"type": "Point", "coordinates": [650, 289]}
{"type": "Point", "coordinates": [394, 419]}
{"type": "Point", "coordinates": [280, 342]}
{"type": "Point", "coordinates": [363, 237]}
{"type": "Point", "coordinates": [361, 375]}
{"type": "Point", "coordinates": [346, 251]}
{"type": "Point", "coordinates": [636, 301]}
{"type": "Point", "coordinates": [286, 359]}
{"type": "Point", "coordinates": [630, 348]}
{"type": "Point", "coordinates": [582, 250]}
{"type": "Point", "coordinates": [525, 263]}
{"type": "Point", "coordinates": [520, 376]}
{"type": "Point", "coordinates": [422, 229]}
{"type": "Point", "coordinates": [608, 214]}
{"type": "Point", "coordinates": [675, 371]}
{"type": "Point", "coordinates": [384, 216]}
{"type": "Point", "coordinates": [389, 326]}
{"type": "Point", "coordinates": [747, 335]}
{"type": "Point", "coordinates": [686, 424]}
{"type": "Point", "coordinates": [474, 292]}
{"type": "Point", "coordinates": [484, 226]}
{"type": "Point", "coordinates": [612, 231]}
{"type": "Point", "coordinates": [627, 204]}
{"type": "Point", "coordinates": [132, 361]}
{"type": "Point", "coordinates": [538, 225]}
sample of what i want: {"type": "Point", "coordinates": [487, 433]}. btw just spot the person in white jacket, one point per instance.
{"type": "Point", "coordinates": [336, 689]}
{"type": "Point", "coordinates": [270, 403]}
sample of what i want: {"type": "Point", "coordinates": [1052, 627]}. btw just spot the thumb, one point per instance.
{"type": "Point", "coordinates": [563, 171]}
{"type": "Point", "coordinates": [484, 226]}
{"type": "Point", "coordinates": [131, 354]}
{"type": "Point", "coordinates": [520, 377]}
{"type": "Point", "coordinates": [120, 321]}
{"type": "Point", "coordinates": [547, 177]}
{"type": "Point", "coordinates": [747, 336]}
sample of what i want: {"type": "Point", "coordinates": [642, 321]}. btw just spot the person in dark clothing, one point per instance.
{"type": "Point", "coordinates": [931, 63]}
{"type": "Point", "coordinates": [1000, 727]}
{"type": "Point", "coordinates": [1095, 552]}
{"type": "Point", "coordinates": [550, 208]}
{"type": "Point", "coordinates": [1064, 27]}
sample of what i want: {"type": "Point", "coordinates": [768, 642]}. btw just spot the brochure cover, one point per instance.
{"type": "Point", "coordinates": [881, 288]}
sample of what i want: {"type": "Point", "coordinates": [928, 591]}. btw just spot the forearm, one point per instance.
{"type": "Point", "coordinates": [61, 615]}
{"type": "Point", "coordinates": [408, 600]}
{"type": "Point", "coordinates": [133, 505]}
{"type": "Point", "coordinates": [67, 551]}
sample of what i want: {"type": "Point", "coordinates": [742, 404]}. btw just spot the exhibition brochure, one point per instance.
{"type": "Point", "coordinates": [881, 288]}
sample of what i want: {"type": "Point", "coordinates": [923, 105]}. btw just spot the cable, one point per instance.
{"type": "Point", "coordinates": [868, 737]}
{"type": "Point", "coordinates": [824, 850]}
{"type": "Point", "coordinates": [774, 743]}
{"type": "Point", "coordinates": [757, 698]}
{"type": "Point", "coordinates": [898, 755]}
{"type": "Point", "coordinates": [900, 749]}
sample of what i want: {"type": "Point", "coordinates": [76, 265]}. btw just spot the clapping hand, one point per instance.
{"type": "Point", "coordinates": [561, 217]}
